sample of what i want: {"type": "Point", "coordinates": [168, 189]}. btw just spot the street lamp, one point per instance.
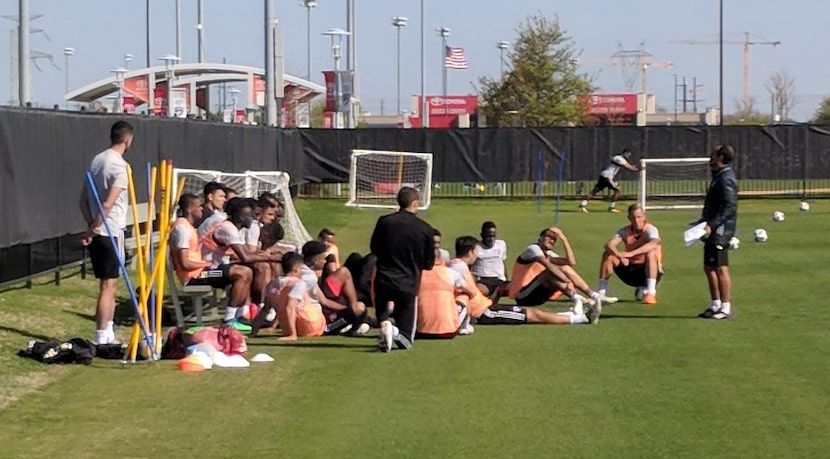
{"type": "Point", "coordinates": [169, 65]}
{"type": "Point", "coordinates": [119, 79]}
{"type": "Point", "coordinates": [337, 35]}
{"type": "Point", "coordinates": [67, 52]}
{"type": "Point", "coordinates": [234, 92]}
{"type": "Point", "coordinates": [502, 45]}
{"type": "Point", "coordinates": [399, 22]}
{"type": "Point", "coordinates": [127, 59]}
{"type": "Point", "coordinates": [308, 5]}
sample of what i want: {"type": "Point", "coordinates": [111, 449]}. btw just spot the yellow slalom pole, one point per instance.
{"type": "Point", "coordinates": [142, 280]}
{"type": "Point", "coordinates": [164, 227]}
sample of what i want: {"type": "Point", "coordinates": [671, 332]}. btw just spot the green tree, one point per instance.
{"type": "Point", "coordinates": [822, 115]}
{"type": "Point", "coordinates": [544, 85]}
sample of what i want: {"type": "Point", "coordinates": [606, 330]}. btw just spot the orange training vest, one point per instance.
{"type": "Point", "coordinates": [192, 252]}
{"type": "Point", "coordinates": [437, 314]}
{"type": "Point", "coordinates": [523, 274]}
{"type": "Point", "coordinates": [630, 241]}
{"type": "Point", "coordinates": [310, 318]}
{"type": "Point", "coordinates": [478, 303]}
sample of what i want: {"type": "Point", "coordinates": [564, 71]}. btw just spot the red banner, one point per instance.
{"type": "Point", "coordinates": [444, 111]}
{"type": "Point", "coordinates": [160, 100]}
{"type": "Point", "coordinates": [128, 104]}
{"type": "Point", "coordinates": [330, 90]}
{"type": "Point", "coordinates": [258, 96]}
{"type": "Point", "coordinates": [138, 87]}
{"type": "Point", "coordinates": [240, 116]}
{"type": "Point", "coordinates": [610, 104]}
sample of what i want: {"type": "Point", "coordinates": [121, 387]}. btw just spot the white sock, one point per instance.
{"type": "Point", "coordinates": [595, 296]}
{"type": "Point", "coordinates": [577, 305]}
{"type": "Point", "coordinates": [715, 305]}
{"type": "Point", "coordinates": [230, 313]}
{"type": "Point", "coordinates": [577, 319]}
{"type": "Point", "coordinates": [584, 203]}
{"type": "Point", "coordinates": [395, 332]}
{"type": "Point", "coordinates": [244, 310]}
{"type": "Point", "coordinates": [101, 337]}
{"type": "Point", "coordinates": [603, 286]}
{"type": "Point", "coordinates": [612, 205]}
{"type": "Point", "coordinates": [565, 313]}
{"type": "Point", "coordinates": [651, 286]}
{"type": "Point", "coordinates": [726, 307]}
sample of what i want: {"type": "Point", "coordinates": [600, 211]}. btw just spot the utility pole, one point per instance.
{"type": "Point", "coordinates": [200, 30]}
{"type": "Point", "coordinates": [23, 82]}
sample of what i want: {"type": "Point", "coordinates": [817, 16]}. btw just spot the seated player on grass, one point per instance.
{"type": "Point", "coordinates": [641, 264]}
{"type": "Point", "coordinates": [220, 241]}
{"type": "Point", "coordinates": [538, 274]}
{"type": "Point", "coordinates": [361, 269]}
{"type": "Point", "coordinates": [297, 314]}
{"type": "Point", "coordinates": [443, 297]}
{"type": "Point", "coordinates": [327, 237]}
{"type": "Point", "coordinates": [334, 291]}
{"type": "Point", "coordinates": [482, 310]}
{"type": "Point", "coordinates": [489, 266]}
{"type": "Point", "coordinates": [444, 254]}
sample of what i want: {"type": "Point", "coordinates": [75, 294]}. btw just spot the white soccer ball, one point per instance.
{"type": "Point", "coordinates": [734, 243]}
{"type": "Point", "coordinates": [639, 293]}
{"type": "Point", "coordinates": [760, 235]}
{"type": "Point", "coordinates": [778, 216]}
{"type": "Point", "coordinates": [804, 206]}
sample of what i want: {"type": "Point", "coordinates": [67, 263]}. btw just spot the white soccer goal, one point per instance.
{"type": "Point", "coordinates": [251, 184]}
{"type": "Point", "coordinates": [376, 176]}
{"type": "Point", "coordinates": [673, 183]}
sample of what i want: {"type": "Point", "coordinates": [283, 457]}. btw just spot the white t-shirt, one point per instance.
{"type": "Point", "coordinates": [310, 280]}
{"type": "Point", "coordinates": [650, 233]}
{"type": "Point", "coordinates": [226, 235]}
{"type": "Point", "coordinates": [109, 170]}
{"type": "Point", "coordinates": [297, 291]}
{"type": "Point", "coordinates": [533, 251]}
{"type": "Point", "coordinates": [251, 235]}
{"type": "Point", "coordinates": [490, 262]}
{"type": "Point", "coordinates": [445, 255]}
{"type": "Point", "coordinates": [180, 237]}
{"type": "Point", "coordinates": [214, 219]}
{"type": "Point", "coordinates": [611, 170]}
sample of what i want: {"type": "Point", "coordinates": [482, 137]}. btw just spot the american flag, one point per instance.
{"type": "Point", "coordinates": [454, 58]}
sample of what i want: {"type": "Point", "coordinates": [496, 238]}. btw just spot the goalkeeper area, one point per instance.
{"type": "Point", "coordinates": [251, 184]}
{"type": "Point", "coordinates": [376, 176]}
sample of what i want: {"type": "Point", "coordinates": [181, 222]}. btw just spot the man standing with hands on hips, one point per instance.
{"type": "Point", "coordinates": [720, 212]}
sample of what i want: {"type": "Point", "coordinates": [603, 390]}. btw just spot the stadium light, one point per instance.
{"type": "Point", "coordinates": [67, 53]}
{"type": "Point", "coordinates": [119, 79]}
{"type": "Point", "coordinates": [308, 5]}
{"type": "Point", "coordinates": [127, 59]}
{"type": "Point", "coordinates": [502, 45]}
{"type": "Point", "coordinates": [337, 35]}
{"type": "Point", "coordinates": [399, 22]}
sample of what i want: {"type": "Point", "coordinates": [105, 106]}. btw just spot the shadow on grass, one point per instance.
{"type": "Point", "coordinates": [24, 333]}
{"type": "Point", "coordinates": [319, 345]}
{"type": "Point", "coordinates": [650, 316]}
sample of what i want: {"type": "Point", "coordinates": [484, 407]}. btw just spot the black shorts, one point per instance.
{"type": "Point", "coordinates": [218, 277]}
{"type": "Point", "coordinates": [105, 261]}
{"type": "Point", "coordinates": [535, 293]}
{"type": "Point", "coordinates": [715, 254]}
{"type": "Point", "coordinates": [604, 182]}
{"type": "Point", "coordinates": [493, 284]}
{"type": "Point", "coordinates": [503, 315]}
{"type": "Point", "coordinates": [336, 321]}
{"type": "Point", "coordinates": [634, 275]}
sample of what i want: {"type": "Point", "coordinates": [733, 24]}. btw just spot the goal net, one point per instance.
{"type": "Point", "coordinates": [673, 183]}
{"type": "Point", "coordinates": [251, 184]}
{"type": "Point", "coordinates": [376, 176]}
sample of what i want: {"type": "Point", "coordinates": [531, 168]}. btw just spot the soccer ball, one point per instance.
{"type": "Point", "coordinates": [760, 235]}
{"type": "Point", "coordinates": [734, 243]}
{"type": "Point", "coordinates": [778, 216]}
{"type": "Point", "coordinates": [804, 206]}
{"type": "Point", "coordinates": [639, 293]}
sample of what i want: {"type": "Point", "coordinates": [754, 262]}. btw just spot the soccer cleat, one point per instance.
{"type": "Point", "coordinates": [576, 305]}
{"type": "Point", "coordinates": [468, 330]}
{"type": "Point", "coordinates": [583, 210]}
{"type": "Point", "coordinates": [608, 299]}
{"type": "Point", "coordinates": [362, 329]}
{"type": "Point", "coordinates": [385, 339]}
{"type": "Point", "coordinates": [613, 210]}
{"type": "Point", "coordinates": [720, 315]}
{"type": "Point", "coordinates": [593, 313]}
{"type": "Point", "coordinates": [238, 325]}
{"type": "Point", "coordinates": [708, 313]}
{"type": "Point", "coordinates": [650, 299]}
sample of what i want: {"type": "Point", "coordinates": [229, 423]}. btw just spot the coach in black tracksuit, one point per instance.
{"type": "Point", "coordinates": [403, 244]}
{"type": "Point", "coordinates": [720, 212]}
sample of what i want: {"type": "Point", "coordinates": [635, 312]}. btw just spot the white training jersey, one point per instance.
{"type": "Point", "coordinates": [613, 168]}
{"type": "Point", "coordinates": [445, 256]}
{"type": "Point", "coordinates": [109, 170]}
{"type": "Point", "coordinates": [225, 235]}
{"type": "Point", "coordinates": [533, 251]}
{"type": "Point", "coordinates": [490, 262]}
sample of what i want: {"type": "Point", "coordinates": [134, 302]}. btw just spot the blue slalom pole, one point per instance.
{"type": "Point", "coordinates": [90, 183]}
{"type": "Point", "coordinates": [559, 180]}
{"type": "Point", "coordinates": [539, 167]}
{"type": "Point", "coordinates": [151, 304]}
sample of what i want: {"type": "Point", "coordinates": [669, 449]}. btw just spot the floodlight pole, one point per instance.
{"type": "Point", "coordinates": [720, 58]}
{"type": "Point", "coordinates": [67, 53]}
{"type": "Point", "coordinates": [399, 22]}
{"type": "Point", "coordinates": [24, 89]}
{"type": "Point", "coordinates": [502, 45]}
{"type": "Point", "coordinates": [424, 108]}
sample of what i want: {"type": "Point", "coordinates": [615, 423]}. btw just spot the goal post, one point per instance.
{"type": "Point", "coordinates": [673, 183]}
{"type": "Point", "coordinates": [251, 184]}
{"type": "Point", "coordinates": [375, 176]}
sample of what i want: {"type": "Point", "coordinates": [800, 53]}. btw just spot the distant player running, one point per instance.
{"type": "Point", "coordinates": [608, 179]}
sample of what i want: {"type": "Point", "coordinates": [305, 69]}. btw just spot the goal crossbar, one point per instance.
{"type": "Point", "coordinates": [375, 176]}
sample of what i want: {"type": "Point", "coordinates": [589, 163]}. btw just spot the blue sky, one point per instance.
{"type": "Point", "coordinates": [102, 31]}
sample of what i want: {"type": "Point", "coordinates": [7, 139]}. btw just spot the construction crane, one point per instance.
{"type": "Point", "coordinates": [634, 62]}
{"type": "Point", "coordinates": [747, 42]}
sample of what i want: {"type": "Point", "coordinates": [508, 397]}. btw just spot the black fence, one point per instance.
{"type": "Point", "coordinates": [43, 155]}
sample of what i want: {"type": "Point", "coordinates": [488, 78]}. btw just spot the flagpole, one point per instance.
{"type": "Point", "coordinates": [444, 33]}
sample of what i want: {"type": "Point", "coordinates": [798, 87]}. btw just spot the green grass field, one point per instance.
{"type": "Point", "coordinates": [644, 382]}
